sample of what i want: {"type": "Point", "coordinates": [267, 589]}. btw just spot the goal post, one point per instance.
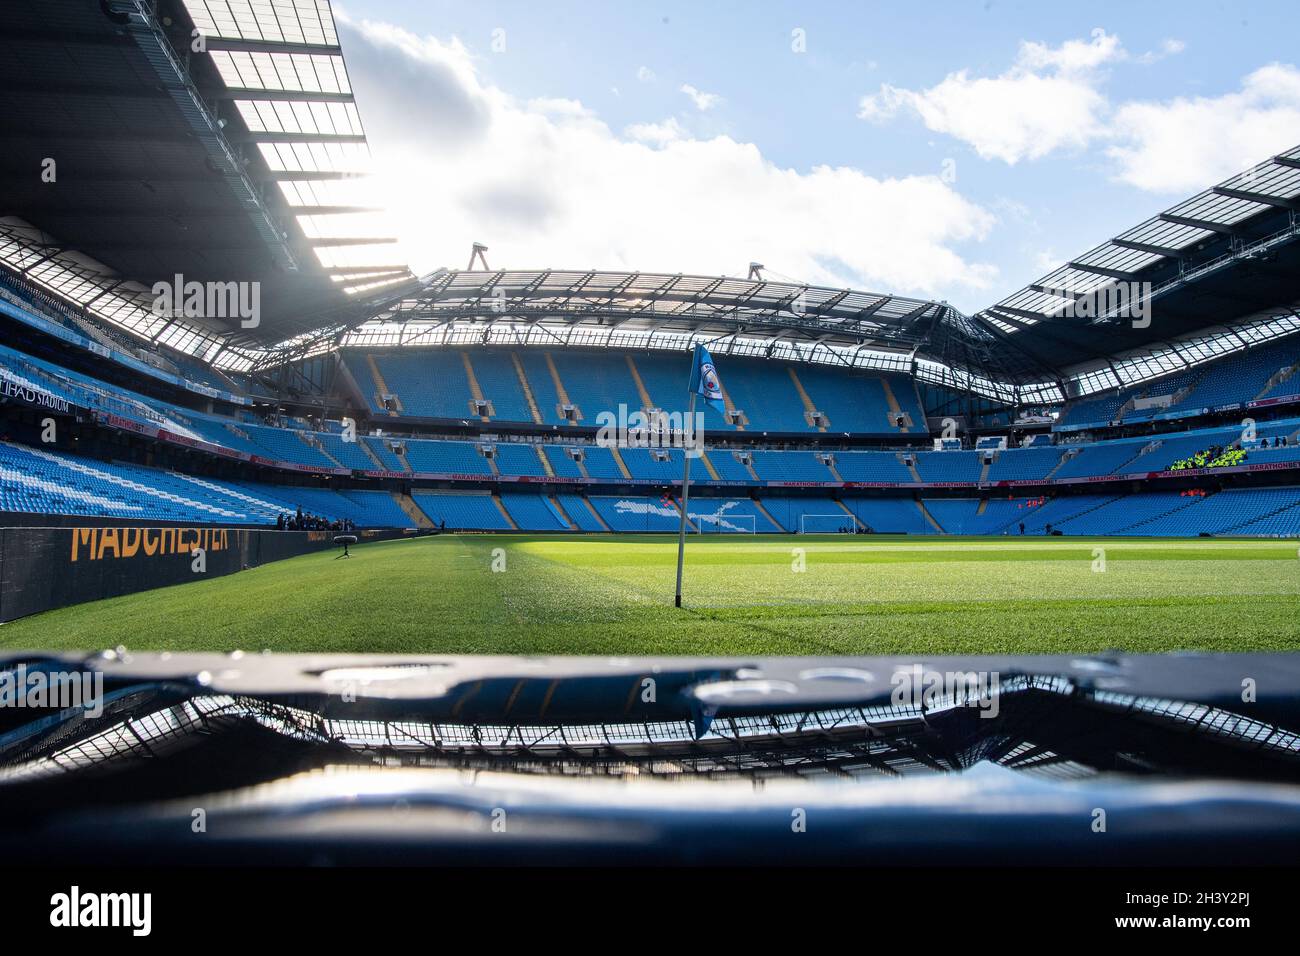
{"type": "Point", "coordinates": [841, 523]}
{"type": "Point", "coordinates": [723, 523]}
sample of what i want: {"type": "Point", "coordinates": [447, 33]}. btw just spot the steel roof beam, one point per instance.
{"type": "Point", "coordinates": [1062, 296]}
{"type": "Point", "coordinates": [235, 45]}
{"type": "Point", "coordinates": [1197, 223]}
{"type": "Point", "coordinates": [872, 309]}
{"type": "Point", "coordinates": [1169, 252]}
{"type": "Point", "coordinates": [575, 290]}
{"type": "Point", "coordinates": [709, 289]}
{"type": "Point", "coordinates": [915, 313]}
{"type": "Point", "coordinates": [833, 302]}
{"type": "Point", "coordinates": [327, 242]}
{"type": "Point", "coordinates": [276, 96]}
{"type": "Point", "coordinates": [783, 304]}
{"type": "Point", "coordinates": [1037, 317]}
{"type": "Point", "coordinates": [275, 137]}
{"type": "Point", "coordinates": [620, 289]}
{"type": "Point", "coordinates": [352, 279]}
{"type": "Point", "coordinates": [1117, 274]}
{"type": "Point", "coordinates": [173, 73]}
{"type": "Point", "coordinates": [308, 176]}
{"type": "Point", "coordinates": [332, 210]}
{"type": "Point", "coordinates": [362, 270]}
{"type": "Point", "coordinates": [1276, 201]}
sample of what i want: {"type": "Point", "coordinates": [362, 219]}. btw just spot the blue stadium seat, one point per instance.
{"type": "Point", "coordinates": [446, 457]}
{"type": "Point", "coordinates": [765, 393]}
{"type": "Point", "coordinates": [349, 454]}
{"type": "Point", "coordinates": [790, 466]}
{"type": "Point", "coordinates": [533, 512]}
{"type": "Point", "coordinates": [499, 383]}
{"type": "Point", "coordinates": [890, 515]}
{"type": "Point", "coordinates": [871, 466]}
{"type": "Point", "coordinates": [727, 465]}
{"type": "Point", "coordinates": [542, 385]}
{"type": "Point", "coordinates": [950, 465]}
{"type": "Point", "coordinates": [575, 506]}
{"type": "Point", "coordinates": [385, 455]}
{"type": "Point", "coordinates": [518, 459]}
{"type": "Point", "coordinates": [643, 463]}
{"type": "Point", "coordinates": [1024, 464]}
{"type": "Point", "coordinates": [285, 444]}
{"type": "Point", "coordinates": [430, 383]}
{"type": "Point", "coordinates": [468, 511]}
{"type": "Point", "coordinates": [1103, 458]}
{"type": "Point", "coordinates": [562, 463]}
{"type": "Point", "coordinates": [600, 463]}
{"type": "Point", "coordinates": [376, 509]}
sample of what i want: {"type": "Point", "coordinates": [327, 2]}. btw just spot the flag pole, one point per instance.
{"type": "Point", "coordinates": [686, 497]}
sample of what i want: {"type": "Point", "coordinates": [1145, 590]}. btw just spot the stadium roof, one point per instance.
{"type": "Point", "coordinates": [239, 165]}
{"type": "Point", "coordinates": [244, 161]}
{"type": "Point", "coordinates": [1228, 252]}
{"type": "Point", "coordinates": [655, 303]}
{"type": "Point", "coordinates": [1217, 272]}
{"type": "Point", "coordinates": [655, 310]}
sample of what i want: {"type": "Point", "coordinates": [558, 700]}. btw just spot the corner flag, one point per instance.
{"type": "Point", "coordinates": [705, 381]}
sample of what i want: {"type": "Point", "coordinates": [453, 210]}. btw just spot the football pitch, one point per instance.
{"type": "Point", "coordinates": [611, 595]}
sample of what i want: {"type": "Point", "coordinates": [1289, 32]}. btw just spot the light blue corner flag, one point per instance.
{"type": "Point", "coordinates": [705, 381]}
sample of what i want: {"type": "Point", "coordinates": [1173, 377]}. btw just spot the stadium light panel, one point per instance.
{"type": "Point", "coordinates": [283, 21]}
{"type": "Point", "coordinates": [314, 99]}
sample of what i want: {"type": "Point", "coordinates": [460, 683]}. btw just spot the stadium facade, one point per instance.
{"type": "Point", "coordinates": [1150, 386]}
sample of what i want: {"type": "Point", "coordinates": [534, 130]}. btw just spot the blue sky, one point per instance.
{"type": "Point", "coordinates": [954, 150]}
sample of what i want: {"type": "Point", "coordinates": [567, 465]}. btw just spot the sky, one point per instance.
{"type": "Point", "coordinates": [956, 151]}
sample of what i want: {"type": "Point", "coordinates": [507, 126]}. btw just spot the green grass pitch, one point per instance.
{"type": "Point", "coordinates": [745, 595]}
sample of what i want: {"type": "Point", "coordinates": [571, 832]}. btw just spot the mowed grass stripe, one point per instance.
{"type": "Point", "coordinates": [613, 595]}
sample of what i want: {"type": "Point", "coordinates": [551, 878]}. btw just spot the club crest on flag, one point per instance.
{"type": "Point", "coordinates": [705, 381]}
{"type": "Point", "coordinates": [709, 379]}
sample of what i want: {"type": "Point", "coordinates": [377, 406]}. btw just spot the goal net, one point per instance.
{"type": "Point", "coordinates": [827, 524]}
{"type": "Point", "coordinates": [723, 523]}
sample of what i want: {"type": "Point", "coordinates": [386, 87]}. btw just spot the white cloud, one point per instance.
{"type": "Point", "coordinates": [703, 101]}
{"type": "Point", "coordinates": [1167, 48]}
{"type": "Point", "coordinates": [656, 134]}
{"type": "Point", "coordinates": [1187, 144]}
{"type": "Point", "coordinates": [1073, 57]}
{"type": "Point", "coordinates": [645, 74]}
{"type": "Point", "coordinates": [1048, 100]}
{"type": "Point", "coordinates": [546, 183]}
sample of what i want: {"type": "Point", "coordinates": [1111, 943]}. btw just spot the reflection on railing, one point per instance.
{"type": "Point", "coordinates": [1042, 725]}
